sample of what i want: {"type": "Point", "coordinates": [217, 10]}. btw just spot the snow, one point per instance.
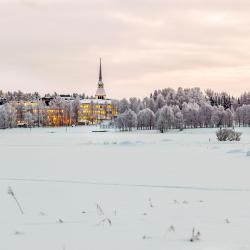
{"type": "Point", "coordinates": [145, 182]}
{"type": "Point", "coordinates": [95, 101]}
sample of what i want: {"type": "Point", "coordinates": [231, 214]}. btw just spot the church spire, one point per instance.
{"type": "Point", "coordinates": [100, 92]}
{"type": "Point", "coordinates": [100, 70]}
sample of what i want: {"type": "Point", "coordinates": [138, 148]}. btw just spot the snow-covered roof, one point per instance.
{"type": "Point", "coordinates": [95, 101]}
{"type": "Point", "coordinates": [100, 91]}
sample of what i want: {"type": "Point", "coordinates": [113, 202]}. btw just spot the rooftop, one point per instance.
{"type": "Point", "coordinates": [96, 101]}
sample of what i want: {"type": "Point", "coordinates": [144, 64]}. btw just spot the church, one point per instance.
{"type": "Point", "coordinates": [97, 109]}
{"type": "Point", "coordinates": [90, 110]}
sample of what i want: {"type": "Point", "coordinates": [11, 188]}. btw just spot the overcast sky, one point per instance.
{"type": "Point", "coordinates": [55, 45]}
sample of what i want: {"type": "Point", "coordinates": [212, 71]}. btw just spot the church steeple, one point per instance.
{"type": "Point", "coordinates": [100, 92]}
{"type": "Point", "coordinates": [100, 71]}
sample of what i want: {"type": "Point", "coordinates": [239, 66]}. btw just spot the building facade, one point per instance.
{"type": "Point", "coordinates": [98, 109]}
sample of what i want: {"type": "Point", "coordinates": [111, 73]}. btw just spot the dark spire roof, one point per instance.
{"type": "Point", "coordinates": [100, 71]}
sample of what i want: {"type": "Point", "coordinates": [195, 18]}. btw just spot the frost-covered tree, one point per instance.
{"type": "Point", "coordinates": [127, 120]}
{"type": "Point", "coordinates": [178, 117]}
{"type": "Point", "coordinates": [7, 116]}
{"type": "Point", "coordinates": [205, 114]}
{"type": "Point", "coordinates": [120, 122]}
{"type": "Point", "coordinates": [75, 110]}
{"type": "Point", "coordinates": [134, 104]}
{"type": "Point", "coordinates": [242, 115]}
{"type": "Point", "coordinates": [218, 116]}
{"type": "Point", "coordinates": [130, 118]}
{"type": "Point", "coordinates": [244, 98]}
{"type": "Point", "coordinates": [149, 103]}
{"type": "Point", "coordinates": [146, 119]}
{"type": "Point", "coordinates": [11, 114]}
{"type": "Point", "coordinates": [68, 112]}
{"type": "Point", "coordinates": [160, 102]}
{"type": "Point", "coordinates": [195, 95]}
{"type": "Point", "coordinates": [28, 119]}
{"type": "Point", "coordinates": [165, 118]}
{"type": "Point", "coordinates": [228, 118]}
{"type": "Point", "coordinates": [3, 118]}
{"type": "Point", "coordinates": [123, 105]}
{"type": "Point", "coordinates": [190, 113]}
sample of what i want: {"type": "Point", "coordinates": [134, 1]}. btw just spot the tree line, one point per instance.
{"type": "Point", "coordinates": [184, 108]}
{"type": "Point", "coordinates": [162, 109]}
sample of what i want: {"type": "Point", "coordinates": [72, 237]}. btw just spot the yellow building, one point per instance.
{"type": "Point", "coordinates": [93, 111]}
{"type": "Point", "coordinates": [23, 107]}
{"type": "Point", "coordinates": [98, 109]}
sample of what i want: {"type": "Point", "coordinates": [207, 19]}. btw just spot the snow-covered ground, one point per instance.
{"type": "Point", "coordinates": [72, 183]}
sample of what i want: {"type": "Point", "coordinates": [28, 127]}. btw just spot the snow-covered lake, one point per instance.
{"type": "Point", "coordinates": [73, 183]}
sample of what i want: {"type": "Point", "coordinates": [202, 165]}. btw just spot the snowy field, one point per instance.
{"type": "Point", "coordinates": [153, 188]}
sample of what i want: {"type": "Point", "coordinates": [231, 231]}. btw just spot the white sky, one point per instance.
{"type": "Point", "coordinates": [55, 45]}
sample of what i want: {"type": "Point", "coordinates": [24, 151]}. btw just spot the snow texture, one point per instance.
{"type": "Point", "coordinates": [138, 190]}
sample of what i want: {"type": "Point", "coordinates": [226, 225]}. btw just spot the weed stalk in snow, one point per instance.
{"type": "Point", "coordinates": [10, 192]}
{"type": "Point", "coordinates": [195, 236]}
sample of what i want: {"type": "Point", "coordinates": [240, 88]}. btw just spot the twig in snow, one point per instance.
{"type": "Point", "coordinates": [11, 193]}
{"type": "Point", "coordinates": [195, 236]}
{"type": "Point", "coordinates": [18, 233]}
{"type": "Point", "coordinates": [171, 228]}
{"type": "Point", "coordinates": [99, 209]}
{"type": "Point", "coordinates": [150, 202]}
{"type": "Point", "coordinates": [102, 222]}
{"type": "Point", "coordinates": [60, 221]}
{"type": "Point", "coordinates": [145, 237]}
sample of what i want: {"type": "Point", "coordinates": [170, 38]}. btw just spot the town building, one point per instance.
{"type": "Point", "coordinates": [65, 110]}
{"type": "Point", "coordinates": [98, 109]}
